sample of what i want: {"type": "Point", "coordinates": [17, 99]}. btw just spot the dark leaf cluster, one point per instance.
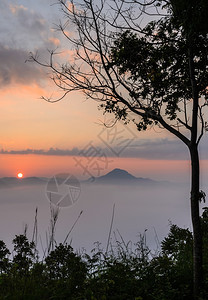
{"type": "Point", "coordinates": [158, 65]}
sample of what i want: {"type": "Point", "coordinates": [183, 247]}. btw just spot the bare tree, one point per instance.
{"type": "Point", "coordinates": [156, 71]}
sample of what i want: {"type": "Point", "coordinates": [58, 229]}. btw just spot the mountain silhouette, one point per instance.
{"type": "Point", "coordinates": [119, 176]}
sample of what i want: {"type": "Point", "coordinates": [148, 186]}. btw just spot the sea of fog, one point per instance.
{"type": "Point", "coordinates": [137, 208]}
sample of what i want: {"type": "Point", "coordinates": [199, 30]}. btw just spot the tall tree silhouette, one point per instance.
{"type": "Point", "coordinates": [157, 73]}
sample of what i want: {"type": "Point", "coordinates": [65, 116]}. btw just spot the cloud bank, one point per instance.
{"type": "Point", "coordinates": [158, 149]}
{"type": "Point", "coordinates": [51, 151]}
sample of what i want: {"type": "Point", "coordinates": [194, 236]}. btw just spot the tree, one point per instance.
{"type": "Point", "coordinates": [24, 254]}
{"type": "Point", "coordinates": [65, 273]}
{"type": "Point", "coordinates": [157, 73]}
{"type": "Point", "coordinates": [4, 258]}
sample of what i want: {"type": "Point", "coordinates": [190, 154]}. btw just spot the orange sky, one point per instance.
{"type": "Point", "coordinates": [28, 122]}
{"type": "Point", "coordinates": [42, 165]}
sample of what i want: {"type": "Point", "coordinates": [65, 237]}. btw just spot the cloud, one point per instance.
{"type": "Point", "coordinates": [51, 151]}
{"type": "Point", "coordinates": [55, 41]}
{"type": "Point", "coordinates": [24, 30]}
{"type": "Point", "coordinates": [14, 70]}
{"type": "Point", "coordinates": [28, 20]}
{"type": "Point", "coordinates": [16, 8]}
{"type": "Point", "coordinates": [163, 148]}
{"type": "Point", "coordinates": [158, 149]}
{"type": "Point", "coordinates": [22, 27]}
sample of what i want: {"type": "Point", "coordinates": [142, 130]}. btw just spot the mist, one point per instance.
{"type": "Point", "coordinates": [137, 209]}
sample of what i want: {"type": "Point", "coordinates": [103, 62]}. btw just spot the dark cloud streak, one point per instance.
{"type": "Point", "coordinates": [159, 149]}
{"type": "Point", "coordinates": [51, 151]}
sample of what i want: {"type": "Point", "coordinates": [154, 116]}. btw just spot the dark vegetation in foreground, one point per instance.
{"type": "Point", "coordinates": [122, 272]}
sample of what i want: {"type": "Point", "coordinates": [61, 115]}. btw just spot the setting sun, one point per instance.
{"type": "Point", "coordinates": [19, 175]}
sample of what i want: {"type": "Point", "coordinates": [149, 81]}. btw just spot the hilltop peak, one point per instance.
{"type": "Point", "coordinates": [118, 173]}
{"type": "Point", "coordinates": [119, 176]}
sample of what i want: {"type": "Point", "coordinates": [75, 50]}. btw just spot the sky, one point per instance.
{"type": "Point", "coordinates": [39, 138]}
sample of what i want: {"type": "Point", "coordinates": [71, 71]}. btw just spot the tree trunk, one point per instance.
{"type": "Point", "coordinates": [197, 233]}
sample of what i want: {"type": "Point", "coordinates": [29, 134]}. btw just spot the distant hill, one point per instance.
{"type": "Point", "coordinates": [119, 176]}
{"type": "Point", "coordinates": [114, 177]}
{"type": "Point", "coordinates": [7, 182]}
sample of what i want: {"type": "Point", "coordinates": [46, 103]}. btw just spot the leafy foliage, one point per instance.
{"type": "Point", "coordinates": [65, 273]}
{"type": "Point", "coordinates": [196, 11]}
{"type": "Point", "coordinates": [157, 64]}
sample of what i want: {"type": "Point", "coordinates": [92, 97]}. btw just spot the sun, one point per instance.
{"type": "Point", "coordinates": [20, 175]}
